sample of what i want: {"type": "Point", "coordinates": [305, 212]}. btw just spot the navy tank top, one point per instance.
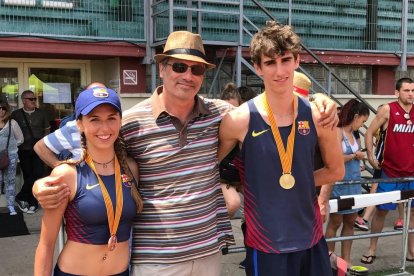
{"type": "Point", "coordinates": [279, 220]}
{"type": "Point", "coordinates": [86, 217]}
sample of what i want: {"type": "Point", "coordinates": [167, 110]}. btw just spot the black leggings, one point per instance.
{"type": "Point", "coordinates": [58, 272]}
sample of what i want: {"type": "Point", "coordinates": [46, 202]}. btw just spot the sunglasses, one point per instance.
{"type": "Point", "coordinates": [30, 99]}
{"type": "Point", "coordinates": [196, 70]}
{"type": "Point", "coordinates": [3, 108]}
{"type": "Point", "coordinates": [407, 117]}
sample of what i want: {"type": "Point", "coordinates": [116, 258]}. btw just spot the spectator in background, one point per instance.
{"type": "Point", "coordinates": [34, 125]}
{"type": "Point", "coordinates": [351, 117]}
{"type": "Point", "coordinates": [362, 223]}
{"type": "Point", "coordinates": [231, 94]}
{"type": "Point", "coordinates": [11, 137]}
{"type": "Point", "coordinates": [246, 93]}
{"type": "Point", "coordinates": [396, 118]}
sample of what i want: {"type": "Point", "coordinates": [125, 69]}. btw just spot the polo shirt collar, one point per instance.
{"type": "Point", "coordinates": [200, 108]}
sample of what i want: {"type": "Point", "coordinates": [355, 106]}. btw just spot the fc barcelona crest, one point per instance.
{"type": "Point", "coordinates": [303, 127]}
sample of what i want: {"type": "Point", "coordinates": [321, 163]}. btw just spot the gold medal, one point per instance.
{"type": "Point", "coordinates": [112, 243]}
{"type": "Point", "coordinates": [287, 181]}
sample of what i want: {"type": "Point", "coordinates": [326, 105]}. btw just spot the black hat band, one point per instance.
{"type": "Point", "coordinates": [184, 51]}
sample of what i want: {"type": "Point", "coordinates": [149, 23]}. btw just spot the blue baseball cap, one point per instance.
{"type": "Point", "coordinates": [91, 98]}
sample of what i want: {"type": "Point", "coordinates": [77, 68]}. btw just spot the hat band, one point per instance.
{"type": "Point", "coordinates": [184, 51]}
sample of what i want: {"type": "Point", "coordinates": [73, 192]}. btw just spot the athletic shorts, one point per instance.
{"type": "Point", "coordinates": [58, 272]}
{"type": "Point", "coordinates": [393, 186]}
{"type": "Point", "coordinates": [311, 262]}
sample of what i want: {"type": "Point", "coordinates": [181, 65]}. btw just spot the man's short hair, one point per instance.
{"type": "Point", "coordinates": [274, 39]}
{"type": "Point", "coordinates": [25, 92]}
{"type": "Point", "coordinates": [400, 82]}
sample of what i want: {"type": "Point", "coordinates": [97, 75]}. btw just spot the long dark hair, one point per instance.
{"type": "Point", "coordinates": [349, 110]}
{"type": "Point", "coordinates": [4, 103]}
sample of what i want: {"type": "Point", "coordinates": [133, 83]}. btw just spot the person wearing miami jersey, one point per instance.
{"type": "Point", "coordinates": [103, 197]}
{"type": "Point", "coordinates": [277, 133]}
{"type": "Point", "coordinates": [397, 161]}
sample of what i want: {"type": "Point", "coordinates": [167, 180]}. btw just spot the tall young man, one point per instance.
{"type": "Point", "coordinates": [277, 133]}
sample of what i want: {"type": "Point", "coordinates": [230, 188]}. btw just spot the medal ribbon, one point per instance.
{"type": "Point", "coordinates": [286, 156]}
{"type": "Point", "coordinates": [113, 220]}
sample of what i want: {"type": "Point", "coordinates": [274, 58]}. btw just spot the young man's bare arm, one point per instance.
{"type": "Point", "coordinates": [380, 120]}
{"type": "Point", "coordinates": [47, 156]}
{"type": "Point", "coordinates": [233, 128]}
{"type": "Point", "coordinates": [331, 153]}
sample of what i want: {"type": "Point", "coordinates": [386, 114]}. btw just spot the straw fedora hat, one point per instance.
{"type": "Point", "coordinates": [301, 84]}
{"type": "Point", "coordinates": [184, 45]}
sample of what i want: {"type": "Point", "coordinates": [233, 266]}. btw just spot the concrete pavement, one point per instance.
{"type": "Point", "coordinates": [17, 253]}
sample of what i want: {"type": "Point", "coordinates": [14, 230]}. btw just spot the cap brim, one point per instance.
{"type": "Point", "coordinates": [160, 57]}
{"type": "Point", "coordinates": [92, 105]}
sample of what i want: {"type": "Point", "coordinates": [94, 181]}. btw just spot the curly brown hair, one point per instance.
{"type": "Point", "coordinates": [274, 39]}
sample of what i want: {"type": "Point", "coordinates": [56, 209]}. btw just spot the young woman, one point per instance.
{"type": "Point", "coordinates": [9, 131]}
{"type": "Point", "coordinates": [103, 196]}
{"type": "Point", "coordinates": [351, 117]}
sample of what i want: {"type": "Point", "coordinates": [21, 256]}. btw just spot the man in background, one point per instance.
{"type": "Point", "coordinates": [34, 125]}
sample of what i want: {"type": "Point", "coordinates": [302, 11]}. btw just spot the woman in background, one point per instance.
{"type": "Point", "coordinates": [351, 117]}
{"type": "Point", "coordinates": [231, 95]}
{"type": "Point", "coordinates": [9, 128]}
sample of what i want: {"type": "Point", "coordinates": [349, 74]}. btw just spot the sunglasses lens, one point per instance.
{"type": "Point", "coordinates": [198, 70]}
{"type": "Point", "coordinates": [179, 67]}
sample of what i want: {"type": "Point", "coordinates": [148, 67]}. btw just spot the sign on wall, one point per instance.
{"type": "Point", "coordinates": [130, 77]}
{"type": "Point", "coordinates": [56, 93]}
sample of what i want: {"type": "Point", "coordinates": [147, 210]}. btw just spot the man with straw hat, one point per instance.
{"type": "Point", "coordinates": [301, 84]}
{"type": "Point", "coordinates": [173, 136]}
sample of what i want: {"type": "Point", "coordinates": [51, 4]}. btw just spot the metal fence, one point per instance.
{"type": "Point", "coordinates": [74, 20]}
{"type": "Point", "coordinates": [369, 25]}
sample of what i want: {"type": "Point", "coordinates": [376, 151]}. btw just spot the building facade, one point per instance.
{"type": "Point", "coordinates": [55, 48]}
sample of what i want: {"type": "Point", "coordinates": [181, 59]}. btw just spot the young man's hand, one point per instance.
{"type": "Point", "coordinates": [328, 115]}
{"type": "Point", "coordinates": [50, 191]}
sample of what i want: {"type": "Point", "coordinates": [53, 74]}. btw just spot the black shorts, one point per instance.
{"type": "Point", "coordinates": [58, 272]}
{"type": "Point", "coordinates": [377, 174]}
{"type": "Point", "coordinates": [311, 262]}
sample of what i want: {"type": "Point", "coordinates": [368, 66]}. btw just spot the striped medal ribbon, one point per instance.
{"type": "Point", "coordinates": [286, 180]}
{"type": "Point", "coordinates": [113, 220]}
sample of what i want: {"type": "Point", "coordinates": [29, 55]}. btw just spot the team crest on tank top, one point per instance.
{"type": "Point", "coordinates": [303, 127]}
